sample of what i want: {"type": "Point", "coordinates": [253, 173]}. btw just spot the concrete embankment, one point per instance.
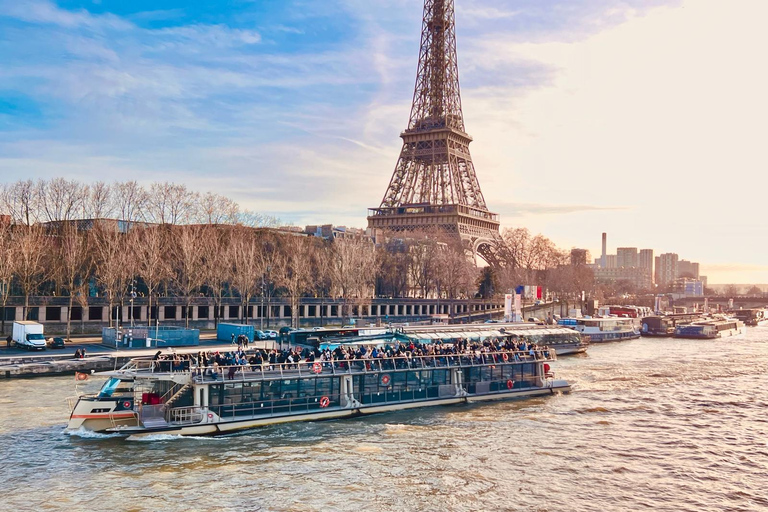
{"type": "Point", "coordinates": [38, 367]}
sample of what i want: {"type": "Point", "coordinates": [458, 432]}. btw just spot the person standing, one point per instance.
{"type": "Point", "coordinates": [9, 340]}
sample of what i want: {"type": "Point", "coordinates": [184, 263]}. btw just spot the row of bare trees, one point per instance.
{"type": "Point", "coordinates": [59, 199]}
{"type": "Point", "coordinates": [186, 261]}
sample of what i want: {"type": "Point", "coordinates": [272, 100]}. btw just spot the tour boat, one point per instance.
{"type": "Point", "coordinates": [560, 339]}
{"type": "Point", "coordinates": [147, 397]}
{"type": "Point", "coordinates": [603, 329]}
{"type": "Point", "coordinates": [710, 329]}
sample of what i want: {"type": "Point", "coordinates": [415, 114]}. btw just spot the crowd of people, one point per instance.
{"type": "Point", "coordinates": [226, 365]}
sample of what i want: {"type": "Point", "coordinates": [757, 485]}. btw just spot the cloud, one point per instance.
{"type": "Point", "coordinates": [524, 209]}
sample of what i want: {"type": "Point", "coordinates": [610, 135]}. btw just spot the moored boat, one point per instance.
{"type": "Point", "coordinates": [711, 329]}
{"type": "Point", "coordinates": [603, 329]}
{"type": "Point", "coordinates": [664, 325]}
{"type": "Point", "coordinates": [157, 397]}
{"type": "Point", "coordinates": [752, 317]}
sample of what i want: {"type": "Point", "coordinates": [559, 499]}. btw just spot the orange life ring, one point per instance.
{"type": "Point", "coordinates": [127, 404]}
{"type": "Point", "coordinates": [325, 401]}
{"type": "Point", "coordinates": [317, 367]}
{"type": "Point", "coordinates": [81, 376]}
{"type": "Point", "coordinates": [505, 357]}
{"type": "Point", "coordinates": [385, 380]}
{"type": "Point", "coordinates": [510, 384]}
{"type": "Point", "coordinates": [210, 415]}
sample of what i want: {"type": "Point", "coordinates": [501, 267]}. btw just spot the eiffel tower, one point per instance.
{"type": "Point", "coordinates": [434, 185]}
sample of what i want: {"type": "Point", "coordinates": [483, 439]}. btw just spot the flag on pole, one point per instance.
{"type": "Point", "coordinates": [80, 376]}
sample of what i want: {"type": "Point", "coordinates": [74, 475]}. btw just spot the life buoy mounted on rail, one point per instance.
{"type": "Point", "coordinates": [127, 404]}
{"type": "Point", "coordinates": [510, 384]}
{"type": "Point", "coordinates": [505, 357]}
{"type": "Point", "coordinates": [324, 402]}
{"type": "Point", "coordinates": [317, 367]}
{"type": "Point", "coordinates": [385, 380]}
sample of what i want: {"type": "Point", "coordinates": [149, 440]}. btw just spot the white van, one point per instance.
{"type": "Point", "coordinates": [29, 335]}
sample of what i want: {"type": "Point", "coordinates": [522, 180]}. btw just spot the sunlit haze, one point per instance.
{"type": "Point", "coordinates": [642, 119]}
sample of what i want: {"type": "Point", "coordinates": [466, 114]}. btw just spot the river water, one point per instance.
{"type": "Point", "coordinates": [651, 424]}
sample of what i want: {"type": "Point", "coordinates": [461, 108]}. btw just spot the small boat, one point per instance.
{"type": "Point", "coordinates": [711, 329]}
{"type": "Point", "coordinates": [147, 397]}
{"type": "Point", "coordinates": [603, 329]}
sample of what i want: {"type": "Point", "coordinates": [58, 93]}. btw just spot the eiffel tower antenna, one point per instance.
{"type": "Point", "coordinates": [434, 184]}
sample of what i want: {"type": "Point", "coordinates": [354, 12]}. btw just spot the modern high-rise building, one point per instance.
{"type": "Point", "coordinates": [645, 260]}
{"type": "Point", "coordinates": [626, 257]}
{"type": "Point", "coordinates": [688, 269]}
{"type": "Point", "coordinates": [666, 269]}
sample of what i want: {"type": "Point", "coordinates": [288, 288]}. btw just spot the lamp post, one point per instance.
{"type": "Point", "coordinates": [268, 296]}
{"type": "Point", "coordinates": [133, 296]}
{"type": "Point", "coordinates": [261, 316]}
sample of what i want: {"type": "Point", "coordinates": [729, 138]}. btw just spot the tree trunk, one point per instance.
{"type": "Point", "coordinates": [69, 315]}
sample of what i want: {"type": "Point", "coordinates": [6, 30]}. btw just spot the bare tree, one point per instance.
{"type": "Point", "coordinates": [20, 201]}
{"type": "Point", "coordinates": [169, 203]}
{"type": "Point", "coordinates": [247, 268]}
{"type": "Point", "coordinates": [31, 269]}
{"type": "Point", "coordinates": [8, 256]}
{"type": "Point", "coordinates": [150, 247]}
{"type": "Point", "coordinates": [60, 199]}
{"type": "Point", "coordinates": [72, 265]}
{"type": "Point", "coordinates": [188, 264]}
{"type": "Point", "coordinates": [110, 262]}
{"type": "Point", "coordinates": [99, 201]}
{"type": "Point", "coordinates": [129, 200]}
{"type": "Point", "coordinates": [295, 270]}
{"type": "Point", "coordinates": [354, 271]}
{"type": "Point", "coordinates": [215, 209]}
{"type": "Point", "coordinates": [217, 264]}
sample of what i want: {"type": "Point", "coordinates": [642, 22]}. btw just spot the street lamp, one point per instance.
{"type": "Point", "coordinates": [261, 316]}
{"type": "Point", "coordinates": [268, 297]}
{"type": "Point", "coordinates": [133, 296]}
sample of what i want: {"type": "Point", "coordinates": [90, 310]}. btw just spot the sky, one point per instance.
{"type": "Point", "coordinates": [644, 119]}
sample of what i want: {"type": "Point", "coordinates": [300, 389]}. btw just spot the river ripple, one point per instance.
{"type": "Point", "coordinates": [656, 424]}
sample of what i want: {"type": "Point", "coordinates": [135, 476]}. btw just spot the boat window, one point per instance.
{"type": "Point", "coordinates": [327, 386]}
{"type": "Point", "coordinates": [109, 387]}
{"type": "Point", "coordinates": [439, 377]}
{"type": "Point", "coordinates": [214, 394]}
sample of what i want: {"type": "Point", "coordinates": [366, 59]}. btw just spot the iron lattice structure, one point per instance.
{"type": "Point", "coordinates": [434, 184]}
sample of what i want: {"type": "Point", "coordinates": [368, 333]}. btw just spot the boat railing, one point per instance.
{"type": "Point", "coordinates": [185, 415]}
{"type": "Point", "coordinates": [268, 370]}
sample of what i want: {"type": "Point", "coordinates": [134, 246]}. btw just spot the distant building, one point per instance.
{"type": "Point", "coordinates": [578, 257]}
{"type": "Point", "coordinates": [688, 287]}
{"type": "Point", "coordinates": [626, 257]}
{"type": "Point", "coordinates": [687, 269]}
{"type": "Point", "coordinates": [645, 260]}
{"type": "Point", "coordinates": [666, 269]}
{"type": "Point", "coordinates": [329, 231]}
{"type": "Point", "coordinates": [639, 277]}
{"type": "Point", "coordinates": [610, 261]}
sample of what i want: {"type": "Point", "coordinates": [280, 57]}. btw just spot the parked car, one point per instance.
{"type": "Point", "coordinates": [56, 342]}
{"type": "Point", "coordinates": [272, 334]}
{"type": "Point", "coordinates": [260, 335]}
